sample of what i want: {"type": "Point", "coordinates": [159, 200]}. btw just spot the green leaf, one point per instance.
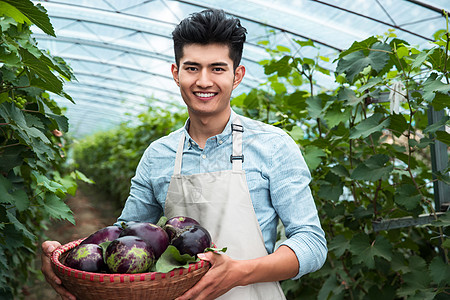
{"type": "Point", "coordinates": [407, 196]}
{"type": "Point", "coordinates": [372, 169]}
{"type": "Point", "coordinates": [296, 133]}
{"type": "Point", "coordinates": [440, 101]}
{"type": "Point", "coordinates": [49, 185]}
{"type": "Point", "coordinates": [15, 197]}
{"type": "Point", "coordinates": [315, 106]}
{"type": "Point", "coordinates": [368, 126]}
{"type": "Point", "coordinates": [443, 136]}
{"type": "Point", "coordinates": [357, 46]}
{"type": "Point", "coordinates": [172, 259]}
{"type": "Point", "coordinates": [19, 226]}
{"type": "Point", "coordinates": [312, 155]}
{"type": "Point", "coordinates": [349, 96]}
{"type": "Point", "coordinates": [365, 251]}
{"type": "Point", "coordinates": [397, 124]}
{"type": "Point", "coordinates": [440, 271]}
{"type": "Point", "coordinates": [305, 43]}
{"type": "Point", "coordinates": [437, 125]}
{"type": "Point", "coordinates": [281, 66]}
{"type": "Point", "coordinates": [417, 279]}
{"type": "Point", "coordinates": [370, 84]}
{"type": "Point", "coordinates": [331, 187]}
{"type": "Point", "coordinates": [354, 63]}
{"type": "Point", "coordinates": [47, 80]}
{"type": "Point", "coordinates": [443, 220]}
{"type": "Point", "coordinates": [338, 245]}
{"type": "Point", "coordinates": [432, 85]}
{"type": "Point", "coordinates": [421, 58]}
{"type": "Point", "coordinates": [57, 209]}
{"type": "Point", "coordinates": [331, 287]}
{"type": "Point", "coordinates": [335, 115]}
{"type": "Point", "coordinates": [35, 14]}
{"type": "Point", "coordinates": [79, 175]}
{"type": "Point", "coordinates": [340, 170]}
{"type": "Point", "coordinates": [11, 157]}
{"type": "Point", "coordinates": [216, 250]}
{"type": "Point", "coordinates": [7, 9]}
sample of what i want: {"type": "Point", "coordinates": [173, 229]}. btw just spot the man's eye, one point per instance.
{"type": "Point", "coordinates": [218, 69]}
{"type": "Point", "coordinates": [191, 68]}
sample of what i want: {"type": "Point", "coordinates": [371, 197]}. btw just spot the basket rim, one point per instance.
{"type": "Point", "coordinates": [101, 277]}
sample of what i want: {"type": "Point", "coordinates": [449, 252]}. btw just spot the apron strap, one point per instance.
{"type": "Point", "coordinates": [179, 155]}
{"type": "Point", "coordinates": [237, 158]}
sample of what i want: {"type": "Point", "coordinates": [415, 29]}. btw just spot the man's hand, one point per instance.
{"type": "Point", "coordinates": [223, 275]}
{"type": "Point", "coordinates": [47, 248]}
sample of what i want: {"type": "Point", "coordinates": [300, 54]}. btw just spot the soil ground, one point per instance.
{"type": "Point", "coordinates": [92, 211]}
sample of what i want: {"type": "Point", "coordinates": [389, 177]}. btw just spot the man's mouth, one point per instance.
{"type": "Point", "coordinates": [205, 95]}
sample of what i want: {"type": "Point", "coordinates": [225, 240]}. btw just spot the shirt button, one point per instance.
{"type": "Point", "coordinates": [203, 156]}
{"type": "Point", "coordinates": [220, 142]}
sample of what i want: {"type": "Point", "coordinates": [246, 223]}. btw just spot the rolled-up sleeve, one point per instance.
{"type": "Point", "coordinates": [293, 201]}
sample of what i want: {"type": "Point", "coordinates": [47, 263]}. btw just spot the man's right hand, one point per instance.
{"type": "Point", "coordinates": [47, 248]}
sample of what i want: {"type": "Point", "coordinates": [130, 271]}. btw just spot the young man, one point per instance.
{"type": "Point", "coordinates": [235, 176]}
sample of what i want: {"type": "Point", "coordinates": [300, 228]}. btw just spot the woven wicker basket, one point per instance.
{"type": "Point", "coordinates": [96, 286]}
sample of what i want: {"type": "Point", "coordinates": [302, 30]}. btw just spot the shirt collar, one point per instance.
{"type": "Point", "coordinates": [220, 138]}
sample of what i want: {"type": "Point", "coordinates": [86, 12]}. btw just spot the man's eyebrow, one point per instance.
{"type": "Point", "coordinates": [193, 63]}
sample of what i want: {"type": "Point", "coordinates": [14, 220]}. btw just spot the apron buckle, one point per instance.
{"type": "Point", "coordinates": [236, 157]}
{"type": "Point", "coordinates": [237, 127]}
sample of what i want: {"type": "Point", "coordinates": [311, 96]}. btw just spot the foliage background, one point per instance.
{"type": "Point", "coordinates": [369, 164]}
{"type": "Point", "coordinates": [34, 180]}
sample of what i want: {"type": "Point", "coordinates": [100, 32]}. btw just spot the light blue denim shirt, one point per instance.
{"type": "Point", "coordinates": [277, 177]}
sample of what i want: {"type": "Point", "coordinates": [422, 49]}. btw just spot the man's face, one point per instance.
{"type": "Point", "coordinates": [206, 79]}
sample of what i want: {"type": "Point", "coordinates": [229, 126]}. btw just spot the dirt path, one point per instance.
{"type": "Point", "coordinates": [92, 212]}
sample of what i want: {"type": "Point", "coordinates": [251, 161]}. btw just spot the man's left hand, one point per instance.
{"type": "Point", "coordinates": [223, 275]}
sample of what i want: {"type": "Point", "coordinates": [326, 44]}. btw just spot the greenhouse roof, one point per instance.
{"type": "Point", "coordinates": [121, 51]}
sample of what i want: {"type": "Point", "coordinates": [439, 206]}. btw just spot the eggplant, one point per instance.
{"type": "Point", "coordinates": [86, 257]}
{"type": "Point", "coordinates": [106, 234]}
{"type": "Point", "coordinates": [174, 225]}
{"type": "Point", "coordinates": [192, 240]}
{"type": "Point", "coordinates": [154, 235]}
{"type": "Point", "coordinates": [128, 255]}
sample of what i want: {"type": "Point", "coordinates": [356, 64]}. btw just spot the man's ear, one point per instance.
{"type": "Point", "coordinates": [174, 70]}
{"type": "Point", "coordinates": [238, 75]}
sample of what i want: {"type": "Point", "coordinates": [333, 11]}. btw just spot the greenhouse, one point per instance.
{"type": "Point", "coordinates": [339, 136]}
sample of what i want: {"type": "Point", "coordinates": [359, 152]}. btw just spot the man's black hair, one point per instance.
{"type": "Point", "coordinates": [210, 26]}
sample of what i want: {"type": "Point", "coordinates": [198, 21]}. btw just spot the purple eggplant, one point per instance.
{"type": "Point", "coordinates": [86, 257]}
{"type": "Point", "coordinates": [154, 235]}
{"type": "Point", "coordinates": [107, 234]}
{"type": "Point", "coordinates": [128, 255]}
{"type": "Point", "coordinates": [174, 225]}
{"type": "Point", "coordinates": [192, 240]}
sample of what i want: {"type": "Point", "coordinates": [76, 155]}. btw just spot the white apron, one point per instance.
{"type": "Point", "coordinates": [221, 202]}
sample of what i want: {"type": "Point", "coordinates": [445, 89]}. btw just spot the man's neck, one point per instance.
{"type": "Point", "coordinates": [203, 127]}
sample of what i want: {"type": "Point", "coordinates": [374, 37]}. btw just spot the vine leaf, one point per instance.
{"type": "Point", "coordinates": [312, 155]}
{"type": "Point", "coordinates": [440, 271]}
{"type": "Point", "coordinates": [372, 169]}
{"type": "Point", "coordinates": [443, 136]}
{"type": "Point", "coordinates": [356, 62]}
{"type": "Point", "coordinates": [18, 197]}
{"type": "Point", "coordinates": [364, 251]}
{"type": "Point", "coordinates": [35, 14]}
{"type": "Point", "coordinates": [397, 124]}
{"type": "Point", "coordinates": [407, 196]}
{"type": "Point", "coordinates": [57, 209]}
{"type": "Point", "coordinates": [432, 85]}
{"type": "Point", "coordinates": [368, 126]}
{"type": "Point", "coordinates": [338, 245]}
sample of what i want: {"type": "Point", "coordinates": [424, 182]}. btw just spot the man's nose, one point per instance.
{"type": "Point", "coordinates": [204, 79]}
